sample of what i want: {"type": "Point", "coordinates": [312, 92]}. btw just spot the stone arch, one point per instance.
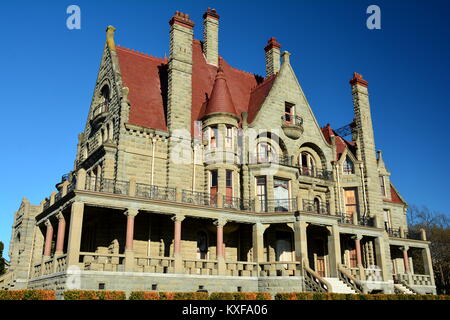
{"type": "Point", "coordinates": [317, 154]}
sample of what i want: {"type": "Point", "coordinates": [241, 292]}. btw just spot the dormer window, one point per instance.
{"type": "Point", "coordinates": [349, 167]}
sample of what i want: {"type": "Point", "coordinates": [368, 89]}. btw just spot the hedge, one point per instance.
{"type": "Point", "coordinates": [94, 295]}
{"type": "Point", "coordinates": [342, 296]}
{"type": "Point", "coordinates": [27, 295]}
{"type": "Point", "coordinates": [240, 296]}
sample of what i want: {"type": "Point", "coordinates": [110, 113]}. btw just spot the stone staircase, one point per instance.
{"type": "Point", "coordinates": [403, 289]}
{"type": "Point", "coordinates": [338, 286]}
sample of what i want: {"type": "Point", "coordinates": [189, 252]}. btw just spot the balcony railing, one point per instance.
{"type": "Point", "coordinates": [199, 198]}
{"type": "Point", "coordinates": [316, 207]}
{"type": "Point", "coordinates": [272, 158]}
{"type": "Point", "coordinates": [316, 173]}
{"type": "Point", "coordinates": [107, 185]}
{"type": "Point", "coordinates": [99, 109]}
{"type": "Point", "coordinates": [411, 234]}
{"type": "Point", "coordinates": [238, 203]}
{"type": "Point", "coordinates": [155, 192]}
{"type": "Point", "coordinates": [292, 120]}
{"type": "Point", "coordinates": [362, 221]}
{"type": "Point", "coordinates": [279, 205]}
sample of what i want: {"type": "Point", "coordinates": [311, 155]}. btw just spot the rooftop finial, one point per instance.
{"type": "Point", "coordinates": [110, 37]}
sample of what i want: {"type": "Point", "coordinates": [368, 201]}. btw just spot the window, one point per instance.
{"type": "Point", "coordinates": [307, 164]}
{"type": "Point", "coordinates": [281, 194]}
{"type": "Point", "coordinates": [214, 178]}
{"type": "Point", "coordinates": [265, 152]}
{"type": "Point", "coordinates": [229, 178]}
{"type": "Point", "coordinates": [383, 187]}
{"type": "Point", "coordinates": [101, 286]}
{"type": "Point", "coordinates": [214, 136]}
{"type": "Point", "coordinates": [288, 112]}
{"type": "Point", "coordinates": [229, 186]}
{"type": "Point", "coordinates": [317, 205]}
{"type": "Point", "coordinates": [229, 138]}
{"type": "Point", "coordinates": [348, 168]}
{"type": "Point", "coordinates": [387, 219]}
{"type": "Point", "coordinates": [351, 203]}
{"type": "Point", "coordinates": [261, 192]}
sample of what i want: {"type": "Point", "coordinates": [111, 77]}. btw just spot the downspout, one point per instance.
{"type": "Point", "coordinates": [153, 158]}
{"type": "Point", "coordinates": [364, 189]}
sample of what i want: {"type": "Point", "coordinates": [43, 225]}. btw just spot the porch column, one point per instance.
{"type": "Point", "coordinates": [358, 238]}
{"type": "Point", "coordinates": [300, 241]}
{"type": "Point", "coordinates": [129, 252]}
{"type": "Point", "coordinates": [405, 258]}
{"type": "Point", "coordinates": [334, 249]}
{"type": "Point", "coordinates": [380, 255]}
{"type": "Point", "coordinates": [48, 239]}
{"type": "Point", "coordinates": [61, 234]}
{"type": "Point", "coordinates": [258, 242]}
{"type": "Point", "coordinates": [220, 223]}
{"type": "Point", "coordinates": [74, 241]}
{"type": "Point", "coordinates": [427, 263]}
{"type": "Point", "coordinates": [178, 264]}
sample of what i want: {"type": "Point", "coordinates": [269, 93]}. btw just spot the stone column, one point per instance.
{"type": "Point", "coordinates": [359, 265]}
{"type": "Point", "coordinates": [74, 241]}
{"type": "Point", "coordinates": [300, 241]}
{"type": "Point", "coordinates": [334, 250]}
{"type": "Point", "coordinates": [48, 239]}
{"type": "Point", "coordinates": [81, 179]}
{"type": "Point", "coordinates": [61, 234]}
{"type": "Point", "coordinates": [427, 263]}
{"type": "Point", "coordinates": [129, 252]}
{"type": "Point", "coordinates": [258, 242]}
{"type": "Point", "coordinates": [177, 244]}
{"type": "Point", "coordinates": [220, 223]}
{"type": "Point", "coordinates": [380, 252]}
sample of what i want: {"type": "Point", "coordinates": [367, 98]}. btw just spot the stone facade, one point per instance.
{"type": "Point", "coordinates": [220, 197]}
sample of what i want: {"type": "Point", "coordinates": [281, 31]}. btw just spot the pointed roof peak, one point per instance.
{"type": "Point", "coordinates": [220, 100]}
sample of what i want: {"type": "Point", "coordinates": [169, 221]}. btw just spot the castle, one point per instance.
{"type": "Point", "coordinates": [193, 175]}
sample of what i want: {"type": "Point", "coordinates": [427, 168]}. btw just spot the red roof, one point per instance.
{"type": "Point", "coordinates": [146, 77]}
{"type": "Point", "coordinates": [341, 143]}
{"type": "Point", "coordinates": [395, 197]}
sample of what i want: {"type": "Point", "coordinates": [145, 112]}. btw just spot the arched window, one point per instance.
{"type": "Point", "coordinates": [317, 205]}
{"type": "Point", "coordinates": [266, 152]}
{"type": "Point", "coordinates": [307, 164]}
{"type": "Point", "coordinates": [202, 245]}
{"type": "Point", "coordinates": [349, 167]}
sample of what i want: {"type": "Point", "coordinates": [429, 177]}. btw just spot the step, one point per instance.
{"type": "Point", "coordinates": [338, 286]}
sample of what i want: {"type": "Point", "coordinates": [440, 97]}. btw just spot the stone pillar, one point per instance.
{"type": "Point", "coordinates": [74, 241]}
{"type": "Point", "coordinates": [177, 244]}
{"type": "Point", "coordinates": [362, 275]}
{"type": "Point", "coordinates": [129, 252]}
{"type": "Point", "coordinates": [220, 246]}
{"type": "Point", "coordinates": [258, 242]}
{"type": "Point", "coordinates": [334, 250]}
{"type": "Point", "coordinates": [48, 239]}
{"type": "Point", "coordinates": [427, 263]}
{"type": "Point", "coordinates": [380, 253]}
{"type": "Point", "coordinates": [81, 179]}
{"type": "Point", "coordinates": [61, 234]}
{"type": "Point", "coordinates": [300, 241]}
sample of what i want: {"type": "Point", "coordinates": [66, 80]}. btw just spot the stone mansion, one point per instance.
{"type": "Point", "coordinates": [193, 175]}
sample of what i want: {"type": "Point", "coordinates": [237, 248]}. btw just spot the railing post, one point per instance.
{"type": "Point", "coordinates": [178, 194]}
{"type": "Point", "coordinates": [220, 199]}
{"type": "Point", "coordinates": [81, 179]}
{"type": "Point", "coordinates": [132, 187]}
{"type": "Point", "coordinates": [423, 234]}
{"type": "Point", "coordinates": [64, 186]}
{"type": "Point", "coordinates": [52, 197]}
{"type": "Point", "coordinates": [401, 232]}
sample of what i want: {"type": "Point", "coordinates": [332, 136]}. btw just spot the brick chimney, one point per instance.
{"type": "Point", "coordinates": [211, 36]}
{"type": "Point", "coordinates": [272, 57]}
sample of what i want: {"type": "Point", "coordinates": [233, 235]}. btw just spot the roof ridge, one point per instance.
{"type": "Point", "coordinates": [239, 70]}
{"type": "Point", "coordinates": [264, 82]}
{"type": "Point", "coordinates": [139, 53]}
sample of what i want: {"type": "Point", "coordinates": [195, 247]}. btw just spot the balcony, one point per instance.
{"type": "Point", "coordinates": [292, 126]}
{"type": "Point", "coordinates": [199, 198]}
{"type": "Point", "coordinates": [362, 221]}
{"type": "Point", "coordinates": [99, 112]}
{"type": "Point", "coordinates": [155, 192]}
{"type": "Point", "coordinates": [238, 203]}
{"type": "Point", "coordinates": [107, 185]}
{"type": "Point", "coordinates": [272, 158]}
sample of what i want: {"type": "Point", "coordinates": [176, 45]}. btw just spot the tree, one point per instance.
{"type": "Point", "coordinates": [437, 228]}
{"type": "Point", "coordinates": [2, 260]}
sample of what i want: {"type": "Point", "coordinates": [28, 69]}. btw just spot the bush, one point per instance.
{"type": "Point", "coordinates": [94, 295]}
{"type": "Point", "coordinates": [27, 295]}
{"type": "Point", "coordinates": [339, 296]}
{"type": "Point", "coordinates": [183, 295]}
{"type": "Point", "coordinates": [240, 296]}
{"type": "Point", "coordinates": [144, 295]}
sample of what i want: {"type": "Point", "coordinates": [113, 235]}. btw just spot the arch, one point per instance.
{"type": "Point", "coordinates": [315, 152]}
{"type": "Point", "coordinates": [202, 245]}
{"type": "Point", "coordinates": [348, 166]}
{"type": "Point", "coordinates": [274, 146]}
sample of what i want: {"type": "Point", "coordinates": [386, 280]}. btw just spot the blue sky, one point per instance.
{"type": "Point", "coordinates": [48, 75]}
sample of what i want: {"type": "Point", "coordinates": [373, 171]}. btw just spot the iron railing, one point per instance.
{"type": "Point", "coordinates": [238, 203]}
{"type": "Point", "coordinates": [292, 120]}
{"type": "Point", "coordinates": [278, 205]}
{"type": "Point", "coordinates": [100, 108]}
{"type": "Point", "coordinates": [316, 207]}
{"type": "Point", "coordinates": [411, 234]}
{"type": "Point", "coordinates": [199, 198]}
{"type": "Point", "coordinates": [315, 173]}
{"type": "Point", "coordinates": [272, 158]}
{"type": "Point", "coordinates": [107, 185]}
{"type": "Point", "coordinates": [155, 192]}
{"type": "Point", "coordinates": [362, 221]}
